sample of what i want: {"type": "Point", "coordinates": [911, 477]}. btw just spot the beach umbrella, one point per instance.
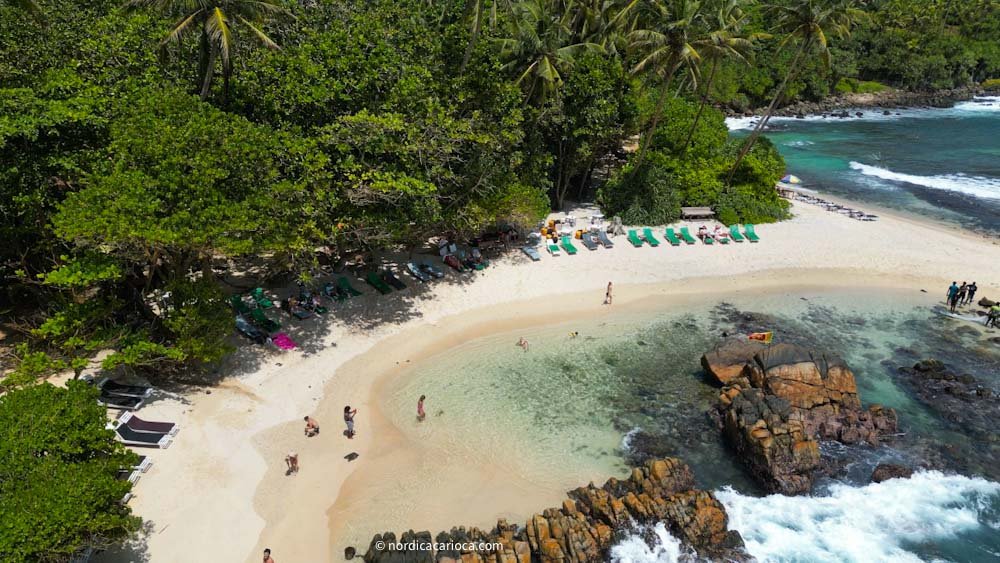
{"type": "Point", "coordinates": [790, 179]}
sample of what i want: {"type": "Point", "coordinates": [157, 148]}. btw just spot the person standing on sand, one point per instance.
{"type": "Point", "coordinates": [267, 556]}
{"type": "Point", "coordinates": [952, 294]}
{"type": "Point", "coordinates": [523, 343]}
{"type": "Point", "coordinates": [292, 461]}
{"type": "Point", "coordinates": [312, 427]}
{"type": "Point", "coordinates": [962, 290]}
{"type": "Point", "coordinates": [970, 293]}
{"type": "Point", "coordinates": [421, 415]}
{"type": "Point", "coordinates": [349, 420]}
{"type": "Point", "coordinates": [607, 295]}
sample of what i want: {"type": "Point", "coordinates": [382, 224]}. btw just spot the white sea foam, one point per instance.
{"type": "Point", "coordinates": [627, 439]}
{"type": "Point", "coordinates": [799, 144]}
{"type": "Point", "coordinates": [979, 186]}
{"type": "Point", "coordinates": [667, 548]}
{"type": "Point", "coordinates": [877, 522]}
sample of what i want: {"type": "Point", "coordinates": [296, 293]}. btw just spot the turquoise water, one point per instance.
{"type": "Point", "coordinates": [575, 409]}
{"type": "Point", "coordinates": [939, 163]}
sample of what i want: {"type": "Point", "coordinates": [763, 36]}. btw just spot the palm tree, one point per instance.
{"type": "Point", "coordinates": [807, 22]}
{"type": "Point", "coordinates": [666, 47]}
{"type": "Point", "coordinates": [216, 22]}
{"type": "Point", "coordinates": [722, 41]}
{"type": "Point", "coordinates": [542, 49]}
{"type": "Point", "coordinates": [29, 6]}
{"type": "Point", "coordinates": [475, 12]}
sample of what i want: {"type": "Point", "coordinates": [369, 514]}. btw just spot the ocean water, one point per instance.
{"type": "Point", "coordinates": [938, 163]}
{"type": "Point", "coordinates": [576, 409]}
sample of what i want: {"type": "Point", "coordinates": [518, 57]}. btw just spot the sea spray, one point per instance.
{"type": "Point", "coordinates": [887, 521]}
{"type": "Point", "coordinates": [634, 549]}
{"type": "Point", "coordinates": [978, 186]}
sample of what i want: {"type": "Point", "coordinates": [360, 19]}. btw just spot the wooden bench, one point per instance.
{"type": "Point", "coordinates": [696, 212]}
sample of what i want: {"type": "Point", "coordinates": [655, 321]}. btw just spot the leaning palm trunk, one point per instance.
{"type": "Point", "coordinates": [206, 84]}
{"type": "Point", "coordinates": [759, 128]}
{"type": "Point", "coordinates": [701, 106]}
{"type": "Point", "coordinates": [655, 121]}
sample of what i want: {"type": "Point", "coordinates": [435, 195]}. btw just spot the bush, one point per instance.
{"type": "Point", "coordinates": [855, 86]}
{"type": "Point", "coordinates": [991, 84]}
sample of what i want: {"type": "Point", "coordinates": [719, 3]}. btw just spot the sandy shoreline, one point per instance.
{"type": "Point", "coordinates": [219, 492]}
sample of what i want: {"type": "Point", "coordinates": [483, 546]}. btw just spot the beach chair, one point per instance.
{"type": "Point", "coordinates": [567, 245]}
{"type": "Point", "coordinates": [244, 327]}
{"type": "Point", "coordinates": [686, 235]}
{"type": "Point", "coordinates": [587, 240]}
{"type": "Point", "coordinates": [554, 249]}
{"type": "Point", "coordinates": [345, 284]}
{"type": "Point", "coordinates": [634, 239]}
{"type": "Point", "coordinates": [672, 237]}
{"type": "Point", "coordinates": [750, 233]}
{"type": "Point", "coordinates": [139, 425]}
{"type": "Point", "coordinates": [647, 234]}
{"type": "Point", "coordinates": [603, 238]}
{"type": "Point", "coordinates": [130, 474]}
{"type": "Point", "coordinates": [532, 253]}
{"type": "Point", "coordinates": [375, 281]}
{"type": "Point", "coordinates": [431, 270]}
{"type": "Point", "coordinates": [333, 292]}
{"type": "Point", "coordinates": [734, 233]}
{"type": "Point", "coordinates": [722, 239]}
{"type": "Point", "coordinates": [391, 279]}
{"type": "Point", "coordinates": [417, 272]}
{"type": "Point", "coordinates": [130, 437]}
{"type": "Point", "coordinates": [239, 305]}
{"type": "Point", "coordinates": [261, 299]}
{"type": "Point", "coordinates": [143, 464]}
{"type": "Point", "coordinates": [120, 401]}
{"type": "Point", "coordinates": [114, 388]}
{"type": "Point", "coordinates": [262, 320]}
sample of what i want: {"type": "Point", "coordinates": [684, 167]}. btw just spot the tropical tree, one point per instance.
{"type": "Point", "coordinates": [27, 6]}
{"type": "Point", "coordinates": [665, 45]}
{"type": "Point", "coordinates": [807, 23]}
{"type": "Point", "coordinates": [475, 12]}
{"type": "Point", "coordinates": [542, 49]}
{"type": "Point", "coordinates": [722, 40]}
{"type": "Point", "coordinates": [217, 23]}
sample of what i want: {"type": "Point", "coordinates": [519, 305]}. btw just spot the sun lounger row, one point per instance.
{"type": "Point", "coordinates": [683, 235]}
{"type": "Point", "coordinates": [838, 208]}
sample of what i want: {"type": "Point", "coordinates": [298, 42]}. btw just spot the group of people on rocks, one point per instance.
{"type": "Point", "coordinates": [960, 294]}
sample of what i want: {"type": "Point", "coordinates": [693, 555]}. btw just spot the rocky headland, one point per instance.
{"type": "Point", "coordinates": [586, 525]}
{"type": "Point", "coordinates": [847, 105]}
{"type": "Point", "coordinates": [778, 402]}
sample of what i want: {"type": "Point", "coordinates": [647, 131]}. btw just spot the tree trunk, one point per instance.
{"type": "Point", "coordinates": [759, 128]}
{"type": "Point", "coordinates": [206, 85]}
{"type": "Point", "coordinates": [475, 35]}
{"type": "Point", "coordinates": [655, 121]}
{"type": "Point", "coordinates": [701, 106]}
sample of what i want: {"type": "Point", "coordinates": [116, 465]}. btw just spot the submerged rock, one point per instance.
{"type": "Point", "coordinates": [584, 527]}
{"type": "Point", "coordinates": [886, 471]}
{"type": "Point", "coordinates": [784, 401]}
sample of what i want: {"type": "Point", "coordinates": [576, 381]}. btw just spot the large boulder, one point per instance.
{"type": "Point", "coordinates": [583, 528]}
{"type": "Point", "coordinates": [886, 471]}
{"type": "Point", "coordinates": [726, 363]}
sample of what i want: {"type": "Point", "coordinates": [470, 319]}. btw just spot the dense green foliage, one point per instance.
{"type": "Point", "coordinates": [146, 143]}
{"type": "Point", "coordinates": [58, 464]}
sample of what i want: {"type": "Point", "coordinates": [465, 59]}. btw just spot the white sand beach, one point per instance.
{"type": "Point", "coordinates": [219, 493]}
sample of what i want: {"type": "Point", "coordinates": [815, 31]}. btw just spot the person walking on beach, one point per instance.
{"type": "Point", "coordinates": [607, 295]}
{"type": "Point", "coordinates": [962, 290]}
{"type": "Point", "coordinates": [292, 461]}
{"type": "Point", "coordinates": [523, 343]}
{"type": "Point", "coordinates": [970, 292]}
{"type": "Point", "coordinates": [952, 295]}
{"type": "Point", "coordinates": [267, 556]}
{"type": "Point", "coordinates": [421, 415]}
{"type": "Point", "coordinates": [349, 420]}
{"type": "Point", "coordinates": [312, 427]}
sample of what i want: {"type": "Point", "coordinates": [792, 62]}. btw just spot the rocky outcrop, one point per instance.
{"type": "Point", "coordinates": [886, 471]}
{"type": "Point", "coordinates": [583, 528]}
{"type": "Point", "coordinates": [958, 398]}
{"type": "Point", "coordinates": [726, 362]}
{"type": "Point", "coordinates": [845, 106]}
{"type": "Point", "coordinates": [785, 399]}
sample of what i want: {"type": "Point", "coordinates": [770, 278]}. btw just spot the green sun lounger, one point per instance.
{"type": "Point", "coordinates": [567, 245]}
{"type": "Point", "coordinates": [378, 283]}
{"type": "Point", "coordinates": [734, 233]}
{"type": "Point", "coordinates": [554, 249]}
{"type": "Point", "coordinates": [344, 284]}
{"type": "Point", "coordinates": [261, 299]}
{"type": "Point", "coordinates": [634, 239]}
{"type": "Point", "coordinates": [647, 234]}
{"type": "Point", "coordinates": [686, 235]}
{"type": "Point", "coordinates": [750, 233]}
{"type": "Point", "coordinates": [239, 305]}
{"type": "Point", "coordinates": [722, 240]}
{"type": "Point", "coordinates": [261, 320]}
{"type": "Point", "coordinates": [672, 237]}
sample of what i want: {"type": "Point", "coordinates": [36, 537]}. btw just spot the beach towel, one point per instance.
{"type": "Point", "coordinates": [282, 340]}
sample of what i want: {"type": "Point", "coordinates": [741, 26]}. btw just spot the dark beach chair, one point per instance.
{"type": "Point", "coordinates": [588, 241]}
{"type": "Point", "coordinates": [143, 464]}
{"type": "Point", "coordinates": [603, 237]}
{"type": "Point", "coordinates": [391, 279]}
{"type": "Point", "coordinates": [416, 272]}
{"type": "Point", "coordinates": [139, 425]}
{"type": "Point", "coordinates": [131, 475]}
{"type": "Point", "coordinates": [431, 270]}
{"type": "Point", "coordinates": [130, 437]}
{"type": "Point", "coordinates": [375, 281]}
{"type": "Point", "coordinates": [120, 401]}
{"type": "Point", "coordinates": [248, 330]}
{"type": "Point", "coordinates": [263, 321]}
{"type": "Point", "coordinates": [114, 388]}
{"type": "Point", "coordinates": [238, 305]}
{"type": "Point", "coordinates": [345, 284]}
{"type": "Point", "coordinates": [261, 299]}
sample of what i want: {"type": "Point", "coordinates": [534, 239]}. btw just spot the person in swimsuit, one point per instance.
{"type": "Point", "coordinates": [607, 295]}
{"type": "Point", "coordinates": [267, 556]}
{"type": "Point", "coordinates": [312, 427]}
{"type": "Point", "coordinates": [421, 415]}
{"type": "Point", "coordinates": [349, 420]}
{"type": "Point", "coordinates": [292, 461]}
{"type": "Point", "coordinates": [523, 343]}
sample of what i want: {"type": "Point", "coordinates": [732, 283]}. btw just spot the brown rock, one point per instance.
{"type": "Point", "coordinates": [886, 471]}
{"type": "Point", "coordinates": [726, 362]}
